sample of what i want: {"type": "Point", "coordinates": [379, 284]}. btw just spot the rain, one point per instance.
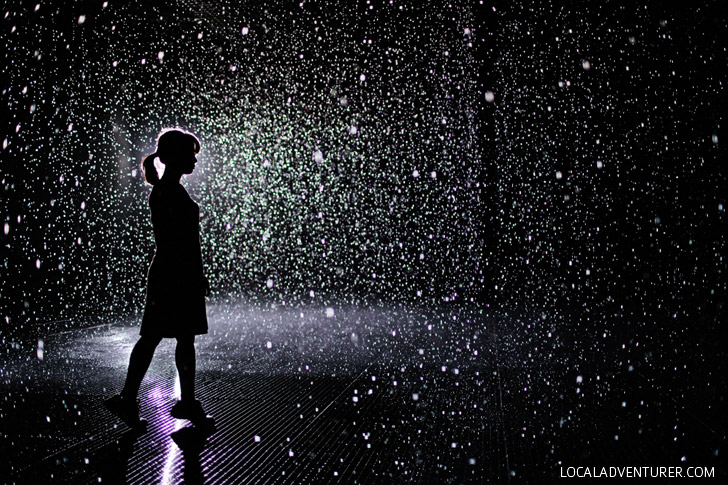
{"type": "Point", "coordinates": [490, 235]}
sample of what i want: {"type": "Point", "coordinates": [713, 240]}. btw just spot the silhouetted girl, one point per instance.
{"type": "Point", "coordinates": [176, 285]}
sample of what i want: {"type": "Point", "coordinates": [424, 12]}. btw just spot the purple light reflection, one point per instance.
{"type": "Point", "coordinates": [164, 418]}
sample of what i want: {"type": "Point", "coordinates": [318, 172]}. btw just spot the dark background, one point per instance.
{"type": "Point", "coordinates": [596, 189]}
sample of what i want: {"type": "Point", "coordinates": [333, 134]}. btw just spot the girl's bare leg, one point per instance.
{"type": "Point", "coordinates": [141, 357]}
{"type": "Point", "coordinates": [185, 360]}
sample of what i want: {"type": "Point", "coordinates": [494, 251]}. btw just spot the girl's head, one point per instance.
{"type": "Point", "coordinates": [176, 149]}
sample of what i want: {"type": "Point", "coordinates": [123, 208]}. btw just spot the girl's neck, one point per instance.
{"type": "Point", "coordinates": [170, 178]}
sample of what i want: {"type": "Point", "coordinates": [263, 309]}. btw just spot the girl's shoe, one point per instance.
{"type": "Point", "coordinates": [127, 410]}
{"type": "Point", "coordinates": [191, 409]}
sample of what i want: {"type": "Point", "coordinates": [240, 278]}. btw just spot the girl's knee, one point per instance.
{"type": "Point", "coordinates": [186, 341]}
{"type": "Point", "coordinates": [150, 341]}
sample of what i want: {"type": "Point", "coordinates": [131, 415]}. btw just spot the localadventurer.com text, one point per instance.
{"type": "Point", "coordinates": [637, 472]}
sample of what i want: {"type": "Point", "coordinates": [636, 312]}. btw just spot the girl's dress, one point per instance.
{"type": "Point", "coordinates": [175, 303]}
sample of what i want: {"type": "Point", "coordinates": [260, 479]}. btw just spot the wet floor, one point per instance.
{"type": "Point", "coordinates": [356, 395]}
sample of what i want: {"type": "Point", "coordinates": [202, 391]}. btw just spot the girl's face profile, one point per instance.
{"type": "Point", "coordinates": [188, 162]}
{"type": "Point", "coordinates": [187, 159]}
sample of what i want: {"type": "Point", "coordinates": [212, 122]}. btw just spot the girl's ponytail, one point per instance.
{"type": "Point", "coordinates": [150, 171]}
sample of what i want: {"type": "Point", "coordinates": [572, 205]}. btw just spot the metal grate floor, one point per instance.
{"type": "Point", "coordinates": [380, 395]}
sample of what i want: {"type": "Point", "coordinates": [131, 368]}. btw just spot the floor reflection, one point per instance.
{"type": "Point", "coordinates": [191, 441]}
{"type": "Point", "coordinates": [112, 460]}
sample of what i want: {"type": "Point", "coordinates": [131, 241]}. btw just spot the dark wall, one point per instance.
{"type": "Point", "coordinates": [610, 183]}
